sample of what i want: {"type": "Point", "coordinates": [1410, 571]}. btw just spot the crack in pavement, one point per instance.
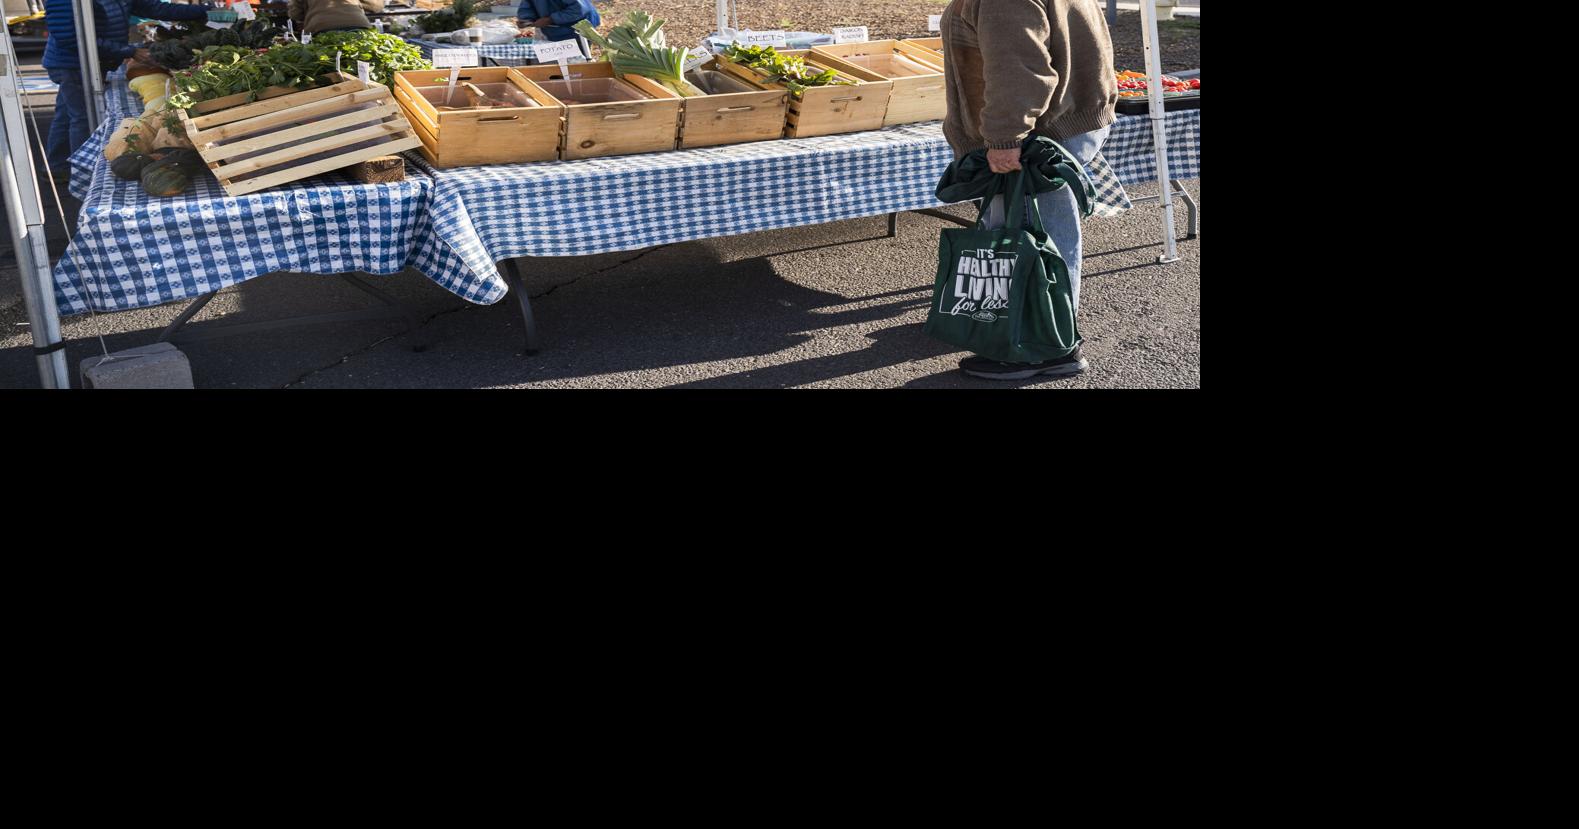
{"type": "Point", "coordinates": [374, 344]}
{"type": "Point", "coordinates": [601, 270]}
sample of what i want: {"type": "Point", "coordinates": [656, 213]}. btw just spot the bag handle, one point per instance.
{"type": "Point", "coordinates": [1071, 170]}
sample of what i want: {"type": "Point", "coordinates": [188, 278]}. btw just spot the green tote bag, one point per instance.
{"type": "Point", "coordinates": [1004, 294]}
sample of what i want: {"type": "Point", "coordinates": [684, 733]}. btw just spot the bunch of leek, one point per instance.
{"type": "Point", "coordinates": [636, 47]}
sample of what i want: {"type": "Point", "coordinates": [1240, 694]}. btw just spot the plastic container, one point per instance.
{"type": "Point", "coordinates": [443, 96]}
{"type": "Point", "coordinates": [714, 82]}
{"type": "Point", "coordinates": [892, 65]}
{"type": "Point", "coordinates": [592, 91]}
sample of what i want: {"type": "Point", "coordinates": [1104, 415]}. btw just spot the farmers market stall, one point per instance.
{"type": "Point", "coordinates": [868, 144]}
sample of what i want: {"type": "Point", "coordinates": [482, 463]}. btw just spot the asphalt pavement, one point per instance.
{"type": "Point", "coordinates": [832, 305]}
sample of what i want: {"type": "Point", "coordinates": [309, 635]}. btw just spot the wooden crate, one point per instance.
{"type": "Point", "coordinates": [501, 135]}
{"type": "Point", "coordinates": [296, 135]}
{"type": "Point", "coordinates": [825, 110]}
{"type": "Point", "coordinates": [915, 97]}
{"type": "Point", "coordinates": [930, 44]}
{"type": "Point", "coordinates": [733, 117]}
{"type": "Point", "coordinates": [617, 127]}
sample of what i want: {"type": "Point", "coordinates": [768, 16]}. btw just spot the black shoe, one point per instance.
{"type": "Point", "coordinates": [994, 370]}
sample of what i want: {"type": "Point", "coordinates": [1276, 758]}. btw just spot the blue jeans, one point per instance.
{"type": "Point", "coordinates": [1060, 211]}
{"type": "Point", "coordinates": [70, 128]}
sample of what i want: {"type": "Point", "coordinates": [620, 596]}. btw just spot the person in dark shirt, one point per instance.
{"type": "Point", "coordinates": [555, 18]}
{"type": "Point", "coordinates": [111, 20]}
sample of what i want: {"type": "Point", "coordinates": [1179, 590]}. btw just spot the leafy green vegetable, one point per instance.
{"type": "Point", "coordinates": [790, 71]}
{"type": "Point", "coordinates": [230, 70]}
{"type": "Point", "coordinates": [386, 54]}
{"type": "Point", "coordinates": [458, 16]}
{"type": "Point", "coordinates": [234, 71]}
{"type": "Point", "coordinates": [637, 47]}
{"type": "Point", "coordinates": [179, 54]}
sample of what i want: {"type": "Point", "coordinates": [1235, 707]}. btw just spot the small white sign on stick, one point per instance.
{"type": "Point", "coordinates": [934, 22]}
{"type": "Point", "coordinates": [454, 57]}
{"type": "Point", "coordinates": [243, 10]}
{"type": "Point", "coordinates": [772, 38]}
{"type": "Point", "coordinates": [364, 72]}
{"type": "Point", "coordinates": [558, 50]}
{"type": "Point", "coordinates": [850, 34]}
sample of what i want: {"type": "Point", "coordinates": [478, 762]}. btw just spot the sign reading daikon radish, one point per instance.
{"type": "Point", "coordinates": [849, 34]}
{"type": "Point", "coordinates": [454, 57]}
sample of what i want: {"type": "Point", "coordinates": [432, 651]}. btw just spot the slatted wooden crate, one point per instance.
{"type": "Point", "coordinates": [919, 93]}
{"type": "Point", "coordinates": [594, 130]}
{"type": "Point", "coordinates": [288, 136]}
{"type": "Point", "coordinates": [931, 44]}
{"type": "Point", "coordinates": [497, 135]}
{"type": "Point", "coordinates": [824, 110]}
{"type": "Point", "coordinates": [732, 117]}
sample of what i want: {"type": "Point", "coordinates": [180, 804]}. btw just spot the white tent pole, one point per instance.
{"type": "Point", "coordinates": [88, 54]}
{"type": "Point", "coordinates": [1159, 126]}
{"type": "Point", "coordinates": [722, 20]}
{"type": "Point", "coordinates": [25, 217]}
{"type": "Point", "coordinates": [82, 64]}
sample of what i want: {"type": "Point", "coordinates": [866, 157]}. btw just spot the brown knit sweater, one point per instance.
{"type": "Point", "coordinates": [314, 16]}
{"type": "Point", "coordinates": [1017, 67]}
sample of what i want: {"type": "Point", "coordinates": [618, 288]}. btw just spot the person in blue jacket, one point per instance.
{"type": "Point", "coordinates": [111, 21]}
{"type": "Point", "coordinates": [554, 18]}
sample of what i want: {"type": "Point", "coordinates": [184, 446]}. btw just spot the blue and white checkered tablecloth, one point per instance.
{"type": "Point", "coordinates": [132, 250]}
{"type": "Point", "coordinates": [502, 51]}
{"type": "Point", "coordinates": [566, 208]}
{"type": "Point", "coordinates": [1133, 154]}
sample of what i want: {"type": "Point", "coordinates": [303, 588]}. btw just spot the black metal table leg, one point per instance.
{"type": "Point", "coordinates": [410, 316]}
{"type": "Point", "coordinates": [893, 225]}
{"type": "Point", "coordinates": [512, 277]}
{"type": "Point", "coordinates": [191, 311]}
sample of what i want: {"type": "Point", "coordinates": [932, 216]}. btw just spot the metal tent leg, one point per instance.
{"type": "Point", "coordinates": [1177, 188]}
{"type": "Point", "coordinates": [512, 277]}
{"type": "Point", "coordinates": [1189, 204]}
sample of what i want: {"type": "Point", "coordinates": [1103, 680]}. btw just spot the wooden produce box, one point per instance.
{"type": "Point", "coordinates": [825, 110]}
{"type": "Point", "coordinates": [298, 134]}
{"type": "Point", "coordinates": [594, 130]}
{"type": "Point", "coordinates": [496, 135]}
{"type": "Point", "coordinates": [732, 117]}
{"type": "Point", "coordinates": [931, 44]}
{"type": "Point", "coordinates": [919, 92]}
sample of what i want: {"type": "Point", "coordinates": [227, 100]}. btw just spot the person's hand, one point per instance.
{"type": "Point", "coordinates": [524, 31]}
{"type": "Point", "coordinates": [1003, 161]}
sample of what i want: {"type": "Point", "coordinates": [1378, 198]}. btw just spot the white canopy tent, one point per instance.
{"type": "Point", "coordinates": [728, 21]}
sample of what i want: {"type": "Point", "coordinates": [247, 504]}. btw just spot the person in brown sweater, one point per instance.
{"type": "Point", "coordinates": [314, 16]}
{"type": "Point", "coordinates": [1017, 68]}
